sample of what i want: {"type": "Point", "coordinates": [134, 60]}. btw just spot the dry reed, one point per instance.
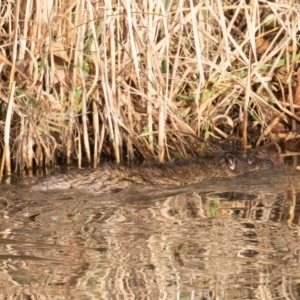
{"type": "Point", "coordinates": [142, 79]}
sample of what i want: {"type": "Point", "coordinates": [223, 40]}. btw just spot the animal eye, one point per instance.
{"type": "Point", "coordinates": [230, 159]}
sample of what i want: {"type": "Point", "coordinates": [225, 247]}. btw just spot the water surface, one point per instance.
{"type": "Point", "coordinates": [226, 239]}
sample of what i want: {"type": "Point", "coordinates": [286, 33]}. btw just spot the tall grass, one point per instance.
{"type": "Point", "coordinates": [127, 79]}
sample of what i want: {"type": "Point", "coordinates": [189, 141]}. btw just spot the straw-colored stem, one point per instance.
{"type": "Point", "coordinates": [8, 118]}
{"type": "Point", "coordinates": [96, 131]}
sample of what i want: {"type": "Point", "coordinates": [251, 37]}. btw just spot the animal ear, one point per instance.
{"type": "Point", "coordinates": [250, 160]}
{"type": "Point", "coordinates": [231, 162]}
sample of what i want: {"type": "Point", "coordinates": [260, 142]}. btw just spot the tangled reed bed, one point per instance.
{"type": "Point", "coordinates": [87, 79]}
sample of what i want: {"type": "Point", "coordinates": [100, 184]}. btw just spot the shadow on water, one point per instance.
{"type": "Point", "coordinates": [226, 239]}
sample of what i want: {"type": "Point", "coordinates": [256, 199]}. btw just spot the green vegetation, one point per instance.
{"type": "Point", "coordinates": [91, 79]}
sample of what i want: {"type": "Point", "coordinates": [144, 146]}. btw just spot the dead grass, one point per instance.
{"type": "Point", "coordinates": [88, 78]}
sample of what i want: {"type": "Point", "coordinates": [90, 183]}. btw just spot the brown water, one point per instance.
{"type": "Point", "coordinates": [228, 239]}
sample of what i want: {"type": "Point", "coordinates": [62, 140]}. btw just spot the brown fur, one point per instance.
{"type": "Point", "coordinates": [182, 172]}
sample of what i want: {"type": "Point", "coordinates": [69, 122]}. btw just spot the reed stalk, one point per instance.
{"type": "Point", "coordinates": [131, 80]}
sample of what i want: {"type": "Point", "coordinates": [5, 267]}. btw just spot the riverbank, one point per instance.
{"type": "Point", "coordinates": [139, 81]}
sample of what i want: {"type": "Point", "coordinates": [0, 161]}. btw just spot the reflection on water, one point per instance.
{"type": "Point", "coordinates": [231, 239]}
